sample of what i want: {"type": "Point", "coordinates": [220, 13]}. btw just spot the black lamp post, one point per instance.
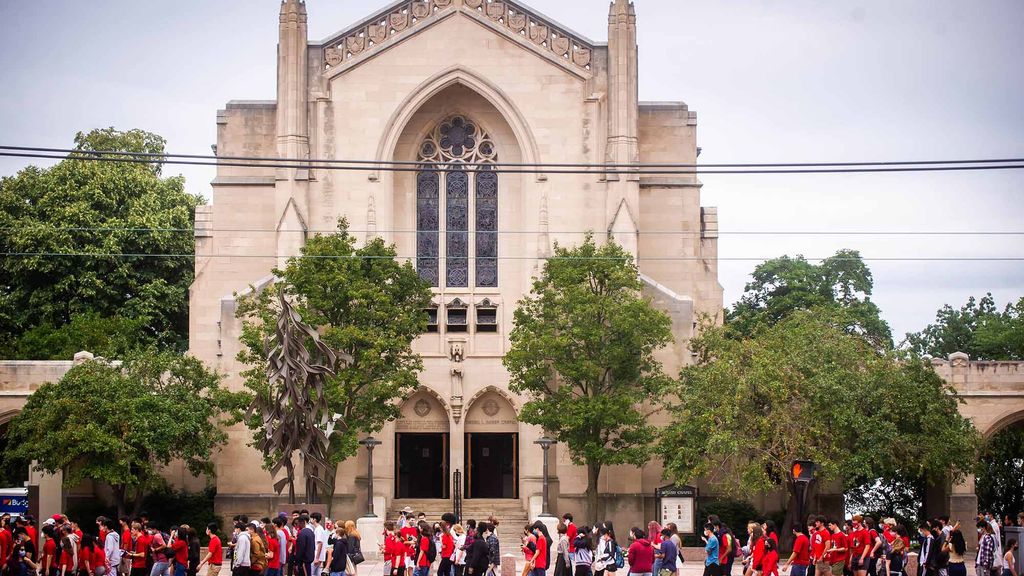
{"type": "Point", "coordinates": [370, 444]}
{"type": "Point", "coordinates": [545, 444]}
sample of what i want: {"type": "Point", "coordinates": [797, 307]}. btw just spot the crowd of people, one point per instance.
{"type": "Point", "coordinates": [307, 544]}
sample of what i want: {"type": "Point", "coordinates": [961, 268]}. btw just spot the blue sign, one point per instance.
{"type": "Point", "coordinates": [14, 505]}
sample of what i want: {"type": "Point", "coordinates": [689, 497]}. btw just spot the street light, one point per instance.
{"type": "Point", "coordinates": [370, 444]}
{"type": "Point", "coordinates": [546, 444]}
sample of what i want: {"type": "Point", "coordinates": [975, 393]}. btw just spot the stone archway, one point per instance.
{"type": "Point", "coordinates": [422, 445]}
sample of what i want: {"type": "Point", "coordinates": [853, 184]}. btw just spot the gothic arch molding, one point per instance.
{"type": "Point", "coordinates": [435, 84]}
{"type": "Point", "coordinates": [1003, 422]}
{"type": "Point", "coordinates": [513, 402]}
{"type": "Point", "coordinates": [433, 394]}
{"type": "Point", "coordinates": [7, 415]}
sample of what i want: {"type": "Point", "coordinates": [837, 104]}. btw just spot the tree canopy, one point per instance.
{"type": "Point", "coordinates": [978, 329]}
{"type": "Point", "coordinates": [117, 424]}
{"type": "Point", "coordinates": [806, 388]}
{"type": "Point", "coordinates": [68, 228]}
{"type": "Point", "coordinates": [368, 308]}
{"type": "Point", "coordinates": [582, 351]}
{"type": "Point", "coordinates": [999, 472]}
{"type": "Point", "coordinates": [782, 286]}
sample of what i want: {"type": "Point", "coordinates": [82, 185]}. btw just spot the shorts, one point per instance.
{"type": "Point", "coordinates": [837, 568]}
{"type": "Point", "coordinates": [856, 564]}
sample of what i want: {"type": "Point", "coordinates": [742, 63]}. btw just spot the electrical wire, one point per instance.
{"type": "Point", "coordinates": [599, 167]}
{"type": "Point", "coordinates": [457, 167]}
{"type": "Point", "coordinates": [560, 232]}
{"type": "Point", "coordinates": [579, 258]}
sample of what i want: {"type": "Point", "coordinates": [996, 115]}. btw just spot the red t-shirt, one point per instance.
{"type": "Point", "coordinates": [394, 551]}
{"type": "Point", "coordinates": [770, 563]}
{"type": "Point", "coordinates": [838, 541]}
{"type": "Point", "coordinates": [872, 536]}
{"type": "Point", "coordinates": [889, 535]}
{"type": "Point", "coordinates": [32, 534]}
{"type": "Point", "coordinates": [49, 551]}
{"type": "Point", "coordinates": [447, 545]}
{"type": "Point", "coordinates": [527, 551]}
{"type": "Point", "coordinates": [424, 546]}
{"type": "Point", "coordinates": [570, 533]}
{"type": "Point", "coordinates": [801, 550]}
{"type": "Point", "coordinates": [67, 560]}
{"type": "Point", "coordinates": [180, 548]}
{"type": "Point", "coordinates": [758, 553]}
{"type": "Point", "coordinates": [6, 544]}
{"type": "Point", "coordinates": [126, 540]}
{"type": "Point", "coordinates": [820, 541]}
{"type": "Point", "coordinates": [274, 547]}
{"type": "Point", "coordinates": [216, 551]}
{"type": "Point", "coordinates": [858, 540]}
{"type": "Point", "coordinates": [141, 548]}
{"type": "Point", "coordinates": [540, 559]}
{"type": "Point", "coordinates": [99, 558]}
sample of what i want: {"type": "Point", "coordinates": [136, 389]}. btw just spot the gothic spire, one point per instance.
{"type": "Point", "coordinates": [621, 7]}
{"type": "Point", "coordinates": [293, 7]}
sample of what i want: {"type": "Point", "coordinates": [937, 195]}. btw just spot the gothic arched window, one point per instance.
{"type": "Point", "coordinates": [472, 190]}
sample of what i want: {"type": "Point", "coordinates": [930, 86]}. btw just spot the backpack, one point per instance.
{"type": "Point", "coordinates": [885, 549]}
{"type": "Point", "coordinates": [431, 550]}
{"type": "Point", "coordinates": [620, 560]}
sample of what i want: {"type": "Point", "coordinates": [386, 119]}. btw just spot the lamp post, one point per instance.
{"type": "Point", "coordinates": [370, 444]}
{"type": "Point", "coordinates": [545, 444]}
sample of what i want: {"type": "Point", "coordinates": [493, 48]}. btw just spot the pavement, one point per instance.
{"type": "Point", "coordinates": [694, 565]}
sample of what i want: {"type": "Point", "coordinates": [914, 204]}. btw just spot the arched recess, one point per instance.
{"type": "Point", "coordinates": [999, 471]}
{"type": "Point", "coordinates": [422, 445]}
{"type": "Point", "coordinates": [512, 400]}
{"type": "Point", "coordinates": [492, 445]}
{"type": "Point", "coordinates": [1002, 422]}
{"type": "Point", "coordinates": [434, 85]}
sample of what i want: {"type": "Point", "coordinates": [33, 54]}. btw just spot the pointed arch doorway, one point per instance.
{"type": "Point", "coordinates": [492, 448]}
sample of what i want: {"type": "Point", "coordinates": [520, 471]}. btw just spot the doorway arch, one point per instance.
{"type": "Point", "coordinates": [492, 446]}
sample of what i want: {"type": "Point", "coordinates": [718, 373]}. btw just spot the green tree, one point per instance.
{"type": "Point", "coordinates": [368, 308]}
{"type": "Point", "coordinates": [117, 424]}
{"type": "Point", "coordinates": [94, 210]}
{"type": "Point", "coordinates": [978, 329]}
{"type": "Point", "coordinates": [999, 472]}
{"type": "Point", "coordinates": [785, 285]}
{"type": "Point", "coordinates": [582, 351]}
{"type": "Point", "coordinates": [806, 388]}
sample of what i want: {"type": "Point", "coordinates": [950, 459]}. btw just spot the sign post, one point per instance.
{"type": "Point", "coordinates": [802, 472]}
{"type": "Point", "coordinates": [678, 505]}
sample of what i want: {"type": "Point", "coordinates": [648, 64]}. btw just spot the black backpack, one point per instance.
{"type": "Point", "coordinates": [431, 550]}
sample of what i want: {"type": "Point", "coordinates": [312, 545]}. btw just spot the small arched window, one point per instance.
{"type": "Point", "coordinates": [471, 189]}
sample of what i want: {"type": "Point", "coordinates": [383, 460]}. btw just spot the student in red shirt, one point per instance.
{"type": "Point", "coordinates": [800, 559]}
{"type": "Point", "coordinates": [6, 538]}
{"type": "Point", "coordinates": [447, 552]}
{"type": "Point", "coordinates": [273, 550]}
{"type": "Point", "coordinates": [541, 557]}
{"type": "Point", "coordinates": [770, 562]}
{"type": "Point", "coordinates": [69, 552]}
{"type": "Point", "coordinates": [837, 552]}
{"type": "Point", "coordinates": [422, 560]}
{"type": "Point", "coordinates": [821, 540]}
{"type": "Point", "coordinates": [570, 533]}
{"type": "Point", "coordinates": [179, 548]}
{"type": "Point", "coordinates": [393, 551]}
{"type": "Point", "coordinates": [214, 552]}
{"type": "Point", "coordinates": [48, 560]}
{"type": "Point", "coordinates": [858, 545]}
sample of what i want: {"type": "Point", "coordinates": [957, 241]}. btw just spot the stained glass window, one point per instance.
{"type": "Point", "coordinates": [458, 140]}
{"type": "Point", "coordinates": [457, 226]}
{"type": "Point", "coordinates": [427, 229]}
{"type": "Point", "coordinates": [486, 229]}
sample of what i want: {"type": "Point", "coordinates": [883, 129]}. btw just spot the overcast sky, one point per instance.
{"type": "Point", "coordinates": [771, 81]}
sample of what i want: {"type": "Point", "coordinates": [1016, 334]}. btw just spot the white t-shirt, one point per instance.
{"type": "Point", "coordinates": [320, 533]}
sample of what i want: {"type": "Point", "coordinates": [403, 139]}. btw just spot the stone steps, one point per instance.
{"type": "Point", "coordinates": [510, 513]}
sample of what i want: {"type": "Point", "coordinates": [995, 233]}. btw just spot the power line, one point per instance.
{"type": "Point", "coordinates": [639, 232]}
{"type": "Point", "coordinates": [580, 258]}
{"type": "Point", "coordinates": [457, 167]}
{"type": "Point", "coordinates": [598, 167]}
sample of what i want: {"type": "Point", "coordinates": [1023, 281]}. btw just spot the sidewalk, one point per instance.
{"type": "Point", "coordinates": [694, 566]}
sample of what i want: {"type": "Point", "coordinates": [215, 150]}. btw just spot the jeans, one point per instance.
{"type": "Point", "coordinates": [957, 569]}
{"type": "Point", "coordinates": [797, 570]}
{"type": "Point", "coordinates": [337, 574]}
{"type": "Point", "coordinates": [159, 568]}
{"type": "Point", "coordinates": [272, 572]}
{"type": "Point", "coordinates": [179, 569]}
{"type": "Point", "coordinates": [539, 572]}
{"type": "Point", "coordinates": [657, 566]}
{"type": "Point", "coordinates": [422, 571]}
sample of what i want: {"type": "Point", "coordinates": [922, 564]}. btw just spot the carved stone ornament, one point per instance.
{"type": "Point", "coordinates": [442, 3]}
{"type": "Point", "coordinates": [491, 407]}
{"type": "Point", "coordinates": [517, 22]}
{"type": "Point", "coordinates": [581, 57]}
{"type": "Point", "coordinates": [421, 9]}
{"type": "Point", "coordinates": [959, 360]}
{"type": "Point", "coordinates": [561, 45]}
{"type": "Point", "coordinates": [421, 408]}
{"type": "Point", "coordinates": [456, 351]}
{"type": "Point", "coordinates": [333, 56]}
{"type": "Point", "coordinates": [399, 21]}
{"type": "Point", "coordinates": [474, 3]}
{"type": "Point", "coordinates": [539, 34]}
{"type": "Point", "coordinates": [496, 10]}
{"type": "Point", "coordinates": [377, 33]}
{"type": "Point", "coordinates": [355, 44]}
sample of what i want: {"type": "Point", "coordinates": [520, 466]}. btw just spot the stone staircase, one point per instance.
{"type": "Point", "coordinates": [510, 514]}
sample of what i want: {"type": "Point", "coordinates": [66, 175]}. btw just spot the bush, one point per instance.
{"type": "Point", "coordinates": [734, 513]}
{"type": "Point", "coordinates": [165, 508]}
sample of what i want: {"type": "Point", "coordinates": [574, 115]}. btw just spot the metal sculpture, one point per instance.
{"type": "Point", "coordinates": [294, 411]}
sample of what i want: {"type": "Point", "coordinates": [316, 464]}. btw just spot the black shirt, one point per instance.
{"type": "Point", "coordinates": [339, 560]}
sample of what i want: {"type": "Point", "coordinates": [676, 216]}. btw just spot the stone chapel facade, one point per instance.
{"type": "Point", "coordinates": [451, 81]}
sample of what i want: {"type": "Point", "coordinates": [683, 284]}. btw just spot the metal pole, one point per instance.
{"type": "Point", "coordinates": [369, 482]}
{"type": "Point", "coordinates": [545, 512]}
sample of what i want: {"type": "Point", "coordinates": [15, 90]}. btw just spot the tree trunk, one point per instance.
{"type": "Point", "coordinates": [137, 504]}
{"type": "Point", "coordinates": [330, 477]}
{"type": "Point", "coordinates": [119, 500]}
{"type": "Point", "coordinates": [290, 471]}
{"type": "Point", "coordinates": [593, 502]}
{"type": "Point", "coordinates": [786, 530]}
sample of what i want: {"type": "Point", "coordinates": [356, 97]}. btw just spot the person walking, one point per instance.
{"type": "Point", "coordinates": [669, 553]}
{"type": "Point", "coordinates": [241, 560]}
{"type": "Point", "coordinates": [214, 552]}
{"type": "Point", "coordinates": [711, 544]}
{"type": "Point", "coordinates": [800, 559]}
{"type": "Point", "coordinates": [563, 561]}
{"type": "Point", "coordinates": [583, 558]}
{"type": "Point", "coordinates": [955, 547]}
{"type": "Point", "coordinates": [355, 547]}
{"type": "Point", "coordinates": [477, 555]}
{"type": "Point", "coordinates": [460, 549]}
{"type": "Point", "coordinates": [1009, 559]}
{"type": "Point", "coordinates": [986, 549]}
{"type": "Point", "coordinates": [770, 563]}
{"type": "Point", "coordinates": [338, 555]}
{"type": "Point", "coordinates": [837, 552]}
{"type": "Point", "coordinates": [641, 554]}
